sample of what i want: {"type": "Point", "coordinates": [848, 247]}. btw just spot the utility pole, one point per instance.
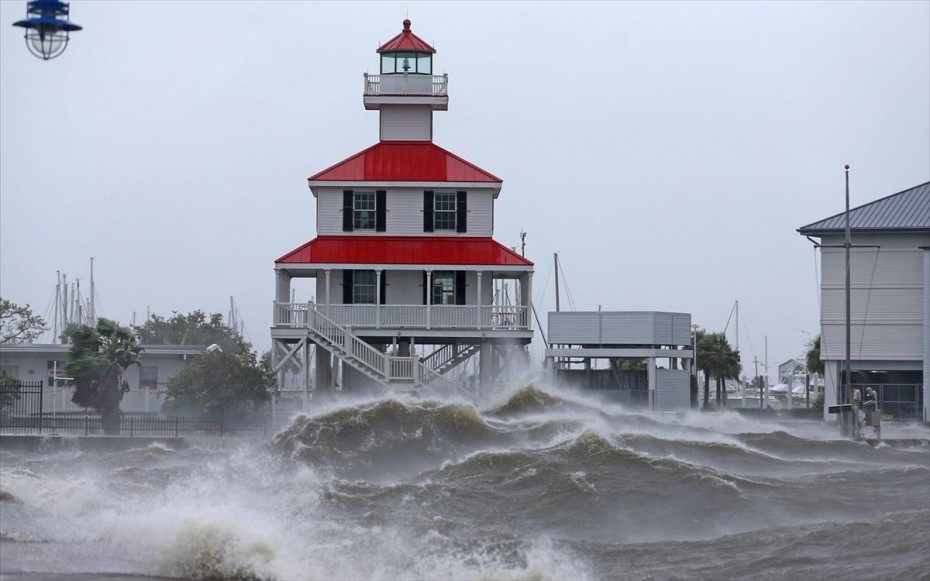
{"type": "Point", "coordinates": [766, 366]}
{"type": "Point", "coordinates": [846, 374]}
{"type": "Point", "coordinates": [759, 382]}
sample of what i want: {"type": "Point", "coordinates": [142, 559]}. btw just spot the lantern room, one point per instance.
{"type": "Point", "coordinates": [405, 54]}
{"type": "Point", "coordinates": [406, 75]}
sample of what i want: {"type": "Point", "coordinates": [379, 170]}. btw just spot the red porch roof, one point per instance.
{"type": "Point", "coordinates": [406, 40]}
{"type": "Point", "coordinates": [403, 250]}
{"type": "Point", "coordinates": [404, 161]}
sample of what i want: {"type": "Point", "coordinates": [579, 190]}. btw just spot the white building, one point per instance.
{"type": "Point", "coordinates": [47, 363]}
{"type": "Point", "coordinates": [409, 282]}
{"type": "Point", "coordinates": [889, 301]}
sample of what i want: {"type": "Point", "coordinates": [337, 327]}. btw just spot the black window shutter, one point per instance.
{"type": "Point", "coordinates": [427, 211]}
{"type": "Point", "coordinates": [460, 287]}
{"type": "Point", "coordinates": [424, 287]}
{"type": "Point", "coordinates": [347, 210]}
{"type": "Point", "coordinates": [380, 210]}
{"type": "Point", "coordinates": [347, 287]}
{"type": "Point", "coordinates": [383, 287]}
{"type": "Point", "coordinates": [461, 210]}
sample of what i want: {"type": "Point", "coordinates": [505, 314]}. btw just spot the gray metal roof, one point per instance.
{"type": "Point", "coordinates": [907, 211]}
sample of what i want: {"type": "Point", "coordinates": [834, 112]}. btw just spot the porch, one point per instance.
{"type": "Point", "coordinates": [392, 318]}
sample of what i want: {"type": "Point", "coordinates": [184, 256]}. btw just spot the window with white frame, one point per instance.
{"type": "Point", "coordinates": [363, 287]}
{"type": "Point", "coordinates": [444, 211]}
{"type": "Point", "coordinates": [443, 287]}
{"type": "Point", "coordinates": [363, 214]}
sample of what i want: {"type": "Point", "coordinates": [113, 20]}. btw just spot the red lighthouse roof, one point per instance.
{"type": "Point", "coordinates": [404, 161]}
{"type": "Point", "coordinates": [406, 40]}
{"type": "Point", "coordinates": [416, 250]}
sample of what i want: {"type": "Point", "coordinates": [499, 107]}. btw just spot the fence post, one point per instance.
{"type": "Point", "coordinates": [131, 431]}
{"type": "Point", "coordinates": [41, 397]}
{"type": "Point", "coordinates": [85, 425]}
{"type": "Point", "coordinates": [176, 418]}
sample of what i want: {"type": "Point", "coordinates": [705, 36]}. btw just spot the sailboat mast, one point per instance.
{"type": "Point", "coordinates": [556, 261]}
{"type": "Point", "coordinates": [92, 312]}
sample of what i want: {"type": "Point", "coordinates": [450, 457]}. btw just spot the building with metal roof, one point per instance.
{"type": "Point", "coordinates": [409, 285]}
{"type": "Point", "coordinates": [889, 302]}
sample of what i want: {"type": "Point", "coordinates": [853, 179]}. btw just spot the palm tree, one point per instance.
{"type": "Point", "coordinates": [717, 359]}
{"type": "Point", "coordinates": [97, 360]}
{"type": "Point", "coordinates": [814, 363]}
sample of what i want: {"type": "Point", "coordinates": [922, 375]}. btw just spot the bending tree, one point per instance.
{"type": "Point", "coordinates": [195, 328]}
{"type": "Point", "coordinates": [97, 360]}
{"type": "Point", "coordinates": [18, 324]}
{"type": "Point", "coordinates": [221, 384]}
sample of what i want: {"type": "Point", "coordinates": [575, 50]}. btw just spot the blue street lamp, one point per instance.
{"type": "Point", "coordinates": [47, 28]}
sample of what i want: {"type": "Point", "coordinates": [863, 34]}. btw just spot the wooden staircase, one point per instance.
{"type": "Point", "coordinates": [397, 373]}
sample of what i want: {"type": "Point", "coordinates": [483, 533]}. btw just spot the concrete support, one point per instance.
{"type": "Point", "coordinates": [485, 363]}
{"type": "Point", "coordinates": [323, 371]}
{"type": "Point", "coordinates": [651, 381]}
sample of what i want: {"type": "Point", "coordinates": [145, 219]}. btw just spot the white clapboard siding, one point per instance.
{"type": "Point", "coordinates": [404, 287]}
{"type": "Point", "coordinates": [406, 123]}
{"type": "Point", "coordinates": [405, 213]}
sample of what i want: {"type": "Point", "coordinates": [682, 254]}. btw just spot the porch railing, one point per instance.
{"type": "Point", "coordinates": [467, 317]}
{"type": "Point", "coordinates": [428, 85]}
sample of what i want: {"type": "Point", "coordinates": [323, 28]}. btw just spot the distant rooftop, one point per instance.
{"type": "Point", "coordinates": [906, 211]}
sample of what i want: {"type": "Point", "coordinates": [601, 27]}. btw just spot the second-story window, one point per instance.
{"type": "Point", "coordinates": [363, 213]}
{"type": "Point", "coordinates": [444, 211]}
{"type": "Point", "coordinates": [364, 210]}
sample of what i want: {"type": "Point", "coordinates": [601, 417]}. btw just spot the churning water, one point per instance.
{"type": "Point", "coordinates": [541, 485]}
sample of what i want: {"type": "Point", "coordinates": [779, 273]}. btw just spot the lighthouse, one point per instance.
{"type": "Point", "coordinates": [412, 292]}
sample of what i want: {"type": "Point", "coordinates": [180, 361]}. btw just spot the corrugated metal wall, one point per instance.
{"type": "Point", "coordinates": [619, 328]}
{"type": "Point", "coordinates": [886, 307]}
{"type": "Point", "coordinates": [673, 390]}
{"type": "Point", "coordinates": [406, 123]}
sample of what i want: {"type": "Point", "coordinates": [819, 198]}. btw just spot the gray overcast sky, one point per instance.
{"type": "Point", "coordinates": [668, 151]}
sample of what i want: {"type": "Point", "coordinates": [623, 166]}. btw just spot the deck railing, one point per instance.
{"type": "Point", "coordinates": [428, 85]}
{"type": "Point", "coordinates": [465, 317]}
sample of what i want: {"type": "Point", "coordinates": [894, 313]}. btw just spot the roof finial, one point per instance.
{"type": "Point", "coordinates": [406, 25]}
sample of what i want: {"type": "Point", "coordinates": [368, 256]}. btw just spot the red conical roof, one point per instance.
{"type": "Point", "coordinates": [406, 40]}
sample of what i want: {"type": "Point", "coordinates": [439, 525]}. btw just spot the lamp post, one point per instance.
{"type": "Point", "coordinates": [47, 28]}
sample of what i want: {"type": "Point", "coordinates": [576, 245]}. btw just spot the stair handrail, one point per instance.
{"type": "Point", "coordinates": [343, 338]}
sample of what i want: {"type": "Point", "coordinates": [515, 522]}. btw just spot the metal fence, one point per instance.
{"type": "Point", "coordinates": [133, 425]}
{"type": "Point", "coordinates": [23, 411]}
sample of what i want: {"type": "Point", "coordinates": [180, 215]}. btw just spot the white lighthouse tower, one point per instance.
{"type": "Point", "coordinates": [410, 283]}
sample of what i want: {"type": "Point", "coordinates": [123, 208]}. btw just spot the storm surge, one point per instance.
{"type": "Point", "coordinates": [539, 484]}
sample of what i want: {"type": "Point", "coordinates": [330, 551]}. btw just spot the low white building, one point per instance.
{"type": "Point", "coordinates": [889, 302]}
{"type": "Point", "coordinates": [47, 363]}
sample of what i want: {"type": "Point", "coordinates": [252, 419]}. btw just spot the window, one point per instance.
{"type": "Point", "coordinates": [148, 377]}
{"type": "Point", "coordinates": [406, 62]}
{"type": "Point", "coordinates": [443, 287]}
{"type": "Point", "coordinates": [364, 210]}
{"type": "Point", "coordinates": [56, 372]}
{"type": "Point", "coordinates": [363, 287]}
{"type": "Point", "coordinates": [444, 211]}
